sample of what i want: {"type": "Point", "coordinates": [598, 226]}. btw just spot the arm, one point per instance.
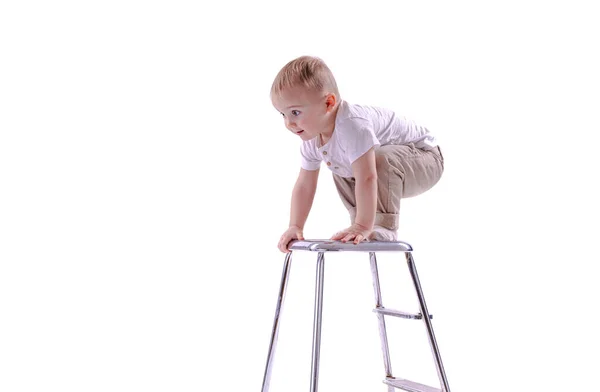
{"type": "Point", "coordinates": [302, 199]}
{"type": "Point", "coordinates": [303, 196]}
{"type": "Point", "coordinates": [365, 173]}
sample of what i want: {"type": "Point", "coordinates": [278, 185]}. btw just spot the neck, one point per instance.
{"type": "Point", "coordinates": [328, 133]}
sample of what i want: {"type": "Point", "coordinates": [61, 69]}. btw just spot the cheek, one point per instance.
{"type": "Point", "coordinates": [308, 121]}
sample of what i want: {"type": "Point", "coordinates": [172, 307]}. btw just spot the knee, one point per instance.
{"type": "Point", "coordinates": [387, 163]}
{"type": "Point", "coordinates": [382, 160]}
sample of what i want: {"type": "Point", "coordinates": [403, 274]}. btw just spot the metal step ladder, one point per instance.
{"type": "Point", "coordinates": [322, 246]}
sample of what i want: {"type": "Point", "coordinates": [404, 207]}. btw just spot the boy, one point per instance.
{"type": "Point", "coordinates": [376, 157]}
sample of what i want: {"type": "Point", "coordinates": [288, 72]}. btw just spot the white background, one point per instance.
{"type": "Point", "coordinates": [145, 179]}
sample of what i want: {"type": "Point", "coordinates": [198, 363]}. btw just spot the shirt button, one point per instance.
{"type": "Point", "coordinates": [324, 152]}
{"type": "Point", "coordinates": [328, 163]}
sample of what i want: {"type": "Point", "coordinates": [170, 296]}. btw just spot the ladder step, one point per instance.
{"type": "Point", "coordinates": [398, 313]}
{"type": "Point", "coordinates": [410, 386]}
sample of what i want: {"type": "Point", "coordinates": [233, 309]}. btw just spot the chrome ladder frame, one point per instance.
{"type": "Point", "coordinates": [322, 246]}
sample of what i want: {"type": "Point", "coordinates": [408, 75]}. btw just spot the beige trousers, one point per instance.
{"type": "Point", "coordinates": [402, 171]}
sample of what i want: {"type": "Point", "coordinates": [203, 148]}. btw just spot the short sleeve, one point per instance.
{"type": "Point", "coordinates": [309, 159]}
{"type": "Point", "coordinates": [359, 137]}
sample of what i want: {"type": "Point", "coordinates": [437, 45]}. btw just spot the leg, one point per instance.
{"type": "Point", "coordinates": [345, 188]}
{"type": "Point", "coordinates": [280, 299]}
{"type": "Point", "coordinates": [402, 171]}
{"type": "Point", "coordinates": [432, 342]}
{"type": "Point", "coordinates": [378, 303]}
{"type": "Point", "coordinates": [316, 349]}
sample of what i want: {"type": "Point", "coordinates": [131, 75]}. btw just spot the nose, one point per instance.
{"type": "Point", "coordinates": [289, 124]}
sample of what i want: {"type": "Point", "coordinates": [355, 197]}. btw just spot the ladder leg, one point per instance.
{"type": "Point", "coordinates": [316, 348]}
{"type": "Point", "coordinates": [378, 303]}
{"type": "Point", "coordinates": [275, 332]}
{"type": "Point", "coordinates": [432, 342]}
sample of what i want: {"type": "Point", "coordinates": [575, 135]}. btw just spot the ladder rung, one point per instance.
{"type": "Point", "coordinates": [398, 313]}
{"type": "Point", "coordinates": [410, 386]}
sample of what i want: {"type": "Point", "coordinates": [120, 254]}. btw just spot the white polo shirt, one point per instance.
{"type": "Point", "coordinates": [357, 129]}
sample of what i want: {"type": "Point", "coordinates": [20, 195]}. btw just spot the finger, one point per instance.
{"type": "Point", "coordinates": [348, 237]}
{"type": "Point", "coordinates": [338, 235]}
{"type": "Point", "coordinates": [283, 242]}
{"type": "Point", "coordinates": [358, 238]}
{"type": "Point", "coordinates": [300, 236]}
{"type": "Point", "coordinates": [287, 243]}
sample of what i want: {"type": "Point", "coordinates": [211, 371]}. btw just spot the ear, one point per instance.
{"type": "Point", "coordinates": [330, 101]}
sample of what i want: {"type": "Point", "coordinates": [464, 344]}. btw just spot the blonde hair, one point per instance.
{"type": "Point", "coordinates": [310, 72]}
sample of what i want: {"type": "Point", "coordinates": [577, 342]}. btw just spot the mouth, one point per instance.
{"type": "Point", "coordinates": [300, 132]}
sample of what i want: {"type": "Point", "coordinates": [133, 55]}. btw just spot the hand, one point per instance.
{"type": "Point", "coordinates": [293, 233]}
{"type": "Point", "coordinates": [355, 232]}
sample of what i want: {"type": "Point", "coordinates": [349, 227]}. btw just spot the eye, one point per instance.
{"type": "Point", "coordinates": [295, 112]}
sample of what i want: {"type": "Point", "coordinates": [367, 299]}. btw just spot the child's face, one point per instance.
{"type": "Point", "coordinates": [306, 113]}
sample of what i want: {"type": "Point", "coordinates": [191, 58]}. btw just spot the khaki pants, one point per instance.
{"type": "Point", "coordinates": [402, 171]}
